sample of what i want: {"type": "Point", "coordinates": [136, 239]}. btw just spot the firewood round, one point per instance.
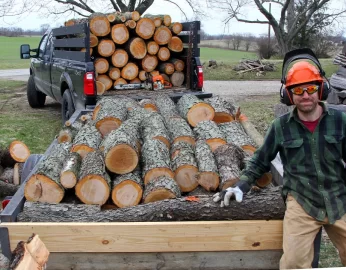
{"type": "Point", "coordinates": [99, 26]}
{"type": "Point", "coordinates": [120, 34]}
{"type": "Point", "coordinates": [106, 47]}
{"type": "Point", "coordinates": [120, 58]}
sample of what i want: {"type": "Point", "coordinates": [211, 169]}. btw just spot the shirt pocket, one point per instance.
{"type": "Point", "coordinates": [333, 147]}
{"type": "Point", "coordinates": [294, 151]}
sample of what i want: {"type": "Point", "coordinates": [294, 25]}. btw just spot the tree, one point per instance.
{"type": "Point", "coordinates": [291, 21]}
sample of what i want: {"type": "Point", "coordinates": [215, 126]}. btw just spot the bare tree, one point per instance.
{"type": "Point", "coordinates": [287, 27]}
{"type": "Point", "coordinates": [236, 40]}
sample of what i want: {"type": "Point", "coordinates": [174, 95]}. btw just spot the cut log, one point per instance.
{"type": "Point", "coordinates": [175, 44]}
{"type": "Point", "coordinates": [99, 104]}
{"type": "Point", "coordinates": [127, 190]}
{"type": "Point", "coordinates": [115, 18]}
{"type": "Point", "coordinates": [184, 166]}
{"type": "Point", "coordinates": [179, 130]}
{"type": "Point", "coordinates": [194, 110]}
{"type": "Point", "coordinates": [17, 173]}
{"type": "Point", "coordinates": [149, 105]}
{"type": "Point", "coordinates": [166, 19]}
{"type": "Point", "coordinates": [179, 65]}
{"type": "Point", "coordinates": [166, 106]}
{"type": "Point", "coordinates": [177, 78]}
{"type": "Point", "coordinates": [90, 50]}
{"type": "Point", "coordinates": [142, 75]}
{"type": "Point", "coordinates": [166, 68]}
{"type": "Point", "coordinates": [157, 20]}
{"type": "Point", "coordinates": [165, 77]}
{"type": "Point", "coordinates": [93, 186]}
{"type": "Point", "coordinates": [19, 151]}
{"type": "Point", "coordinates": [105, 80]}
{"type": "Point", "coordinates": [154, 73]}
{"type": "Point", "coordinates": [7, 189]}
{"type": "Point", "coordinates": [106, 47]}
{"type": "Point", "coordinates": [145, 28]}
{"type": "Point", "coordinates": [132, 128]}
{"type": "Point", "coordinates": [163, 54]}
{"type": "Point", "coordinates": [152, 47]}
{"type": "Point", "coordinates": [100, 88]}
{"type": "Point", "coordinates": [137, 48]}
{"type": "Point", "coordinates": [176, 27]}
{"type": "Point", "coordinates": [85, 117]}
{"type": "Point", "coordinates": [136, 80]}
{"type": "Point", "coordinates": [70, 170]}
{"type": "Point", "coordinates": [7, 175]}
{"type": "Point", "coordinates": [101, 65]}
{"type": "Point", "coordinates": [114, 73]}
{"type": "Point", "coordinates": [120, 58]}
{"type": "Point", "coordinates": [130, 71]}
{"type": "Point", "coordinates": [134, 15]}
{"type": "Point", "coordinates": [153, 127]}
{"type": "Point", "coordinates": [119, 81]}
{"type": "Point", "coordinates": [87, 139]}
{"type": "Point", "coordinates": [68, 133]}
{"type": "Point", "coordinates": [265, 180]}
{"type": "Point", "coordinates": [155, 160]}
{"type": "Point", "coordinates": [6, 160]}
{"type": "Point", "coordinates": [131, 24]}
{"type": "Point", "coordinates": [161, 188]}
{"type": "Point", "coordinates": [251, 130]}
{"type": "Point", "coordinates": [209, 131]}
{"type": "Point", "coordinates": [208, 176]}
{"type": "Point", "coordinates": [162, 35]}
{"type": "Point", "coordinates": [224, 110]}
{"type": "Point", "coordinates": [120, 34]}
{"type": "Point", "coordinates": [44, 185]}
{"type": "Point", "coordinates": [149, 63]}
{"type": "Point", "coordinates": [94, 41]}
{"type": "Point", "coordinates": [99, 25]}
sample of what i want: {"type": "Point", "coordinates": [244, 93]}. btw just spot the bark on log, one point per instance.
{"type": "Point", "coordinates": [166, 68]}
{"type": "Point", "coordinates": [130, 71]}
{"type": "Point", "coordinates": [149, 105]}
{"type": "Point", "coordinates": [209, 131]}
{"type": "Point", "coordinates": [17, 173]}
{"type": "Point", "coordinates": [184, 166]}
{"type": "Point", "coordinates": [161, 188]}
{"type": "Point", "coordinates": [179, 130]}
{"type": "Point", "coordinates": [70, 170]}
{"type": "Point", "coordinates": [194, 110]}
{"type": "Point", "coordinates": [149, 63]}
{"type": "Point", "coordinates": [163, 54]}
{"type": "Point", "coordinates": [120, 58]}
{"type": "Point", "coordinates": [179, 65]}
{"type": "Point", "coordinates": [267, 204]}
{"type": "Point", "coordinates": [114, 73]}
{"type": "Point", "coordinates": [120, 34]}
{"type": "Point", "coordinates": [127, 190]}
{"type": "Point", "coordinates": [100, 88]}
{"type": "Point", "coordinates": [93, 186]}
{"type": "Point", "coordinates": [166, 106]}
{"type": "Point", "coordinates": [208, 176]}
{"type": "Point", "coordinates": [177, 78]}
{"type": "Point", "coordinates": [106, 47]}
{"type": "Point", "coordinates": [251, 130]}
{"type": "Point", "coordinates": [99, 25]}
{"type": "Point", "coordinates": [131, 24]}
{"type": "Point", "coordinates": [44, 185]}
{"type": "Point", "coordinates": [162, 35]}
{"type": "Point", "coordinates": [224, 110]}
{"type": "Point", "coordinates": [153, 127]}
{"type": "Point", "coordinates": [134, 15]}
{"type": "Point", "coordinates": [105, 80]}
{"type": "Point", "coordinates": [152, 47]}
{"type": "Point", "coordinates": [94, 41]}
{"type": "Point", "coordinates": [115, 18]}
{"type": "Point", "coordinates": [137, 48]}
{"type": "Point", "coordinates": [156, 161]}
{"type": "Point", "coordinates": [132, 128]}
{"type": "Point", "coordinates": [145, 28]}
{"type": "Point", "coordinates": [7, 175]}
{"type": "Point", "coordinates": [101, 65]}
{"type": "Point", "coordinates": [175, 44]}
{"type": "Point", "coordinates": [7, 189]}
{"type": "Point", "coordinates": [176, 27]}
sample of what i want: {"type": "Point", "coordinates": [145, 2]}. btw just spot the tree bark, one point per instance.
{"type": "Point", "coordinates": [105, 80]}
{"type": "Point", "coordinates": [132, 128]}
{"type": "Point", "coordinates": [179, 130]}
{"type": "Point", "coordinates": [166, 106]}
{"type": "Point", "coordinates": [162, 35]}
{"type": "Point", "coordinates": [101, 65]}
{"type": "Point", "coordinates": [99, 25]}
{"type": "Point", "coordinates": [161, 188]}
{"type": "Point", "coordinates": [209, 131]}
{"type": "Point", "coordinates": [70, 170]}
{"type": "Point", "coordinates": [106, 48]}
{"type": "Point", "coordinates": [7, 175]}
{"type": "Point", "coordinates": [149, 105]}
{"type": "Point", "coordinates": [149, 63]}
{"type": "Point", "coordinates": [130, 71]}
{"type": "Point", "coordinates": [153, 127]}
{"type": "Point", "coordinates": [7, 189]}
{"type": "Point", "coordinates": [137, 48]}
{"type": "Point", "coordinates": [175, 44]}
{"type": "Point", "coordinates": [145, 28]}
{"type": "Point", "coordinates": [152, 47]}
{"type": "Point", "coordinates": [120, 34]}
{"type": "Point", "coordinates": [163, 54]}
{"type": "Point", "coordinates": [177, 78]}
{"type": "Point", "coordinates": [251, 131]}
{"type": "Point", "coordinates": [224, 110]}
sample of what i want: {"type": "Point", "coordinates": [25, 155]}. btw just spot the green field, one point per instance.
{"type": "Point", "coordinates": [225, 56]}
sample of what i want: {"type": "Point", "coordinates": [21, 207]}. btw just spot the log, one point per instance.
{"type": "Point", "coordinates": [99, 25]}
{"type": "Point", "coordinates": [7, 175]}
{"type": "Point", "coordinates": [120, 58]}
{"type": "Point", "coordinates": [224, 110]}
{"type": "Point", "coordinates": [132, 128]}
{"type": "Point", "coordinates": [106, 47]}
{"type": "Point", "coordinates": [267, 204]}
{"type": "Point", "coordinates": [142, 75]}
{"type": "Point", "coordinates": [134, 15]}
{"type": "Point", "coordinates": [136, 80]}
{"type": "Point", "coordinates": [177, 78]}
{"type": "Point", "coordinates": [137, 48]}
{"type": "Point", "coordinates": [165, 77]}
{"type": "Point", "coordinates": [6, 160]}
{"type": "Point", "coordinates": [179, 130]}
{"type": "Point", "coordinates": [194, 110]}
{"type": "Point", "coordinates": [163, 54]}
{"type": "Point", "coordinates": [19, 151]}
{"type": "Point", "coordinates": [7, 189]}
{"type": "Point", "coordinates": [149, 63]}
{"type": "Point", "coordinates": [44, 185]}
{"type": "Point", "coordinates": [105, 80]}
{"type": "Point", "coordinates": [184, 166]}
{"type": "Point", "coordinates": [120, 34]}
{"type": "Point", "coordinates": [179, 65]}
{"type": "Point", "coordinates": [175, 44]}
{"type": "Point", "coordinates": [176, 27]}
{"type": "Point", "coordinates": [101, 65]}
{"type": "Point", "coordinates": [100, 88]}
{"type": "Point", "coordinates": [154, 73]}
{"type": "Point", "coordinates": [152, 47]}
{"type": "Point", "coordinates": [157, 20]}
{"type": "Point", "coordinates": [166, 106]}
{"type": "Point", "coordinates": [161, 188]}
{"type": "Point", "coordinates": [99, 104]}
{"type": "Point", "coordinates": [166, 19]}
{"type": "Point", "coordinates": [115, 18]}
{"type": "Point", "coordinates": [69, 131]}
{"type": "Point", "coordinates": [114, 73]}
{"type": "Point", "coordinates": [162, 35]}
{"type": "Point", "coordinates": [208, 176]}
{"type": "Point", "coordinates": [93, 186]}
{"type": "Point", "coordinates": [90, 50]}
{"type": "Point", "coordinates": [251, 130]}
{"type": "Point", "coordinates": [149, 105]}
{"type": "Point", "coordinates": [130, 71]}
{"type": "Point", "coordinates": [119, 81]}
{"type": "Point", "coordinates": [94, 41]}
{"type": "Point", "coordinates": [209, 131]}
{"type": "Point", "coordinates": [145, 28]}
{"type": "Point", "coordinates": [17, 173]}
{"type": "Point", "coordinates": [166, 68]}
{"type": "Point", "coordinates": [127, 190]}
{"type": "Point", "coordinates": [131, 24]}
{"type": "Point", "coordinates": [155, 160]}
{"type": "Point", "coordinates": [153, 127]}
{"type": "Point", "coordinates": [70, 170]}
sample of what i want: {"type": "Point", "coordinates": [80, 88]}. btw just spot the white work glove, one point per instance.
{"type": "Point", "coordinates": [226, 195]}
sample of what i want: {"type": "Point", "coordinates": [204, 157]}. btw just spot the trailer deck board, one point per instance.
{"type": "Point", "coordinates": [152, 236]}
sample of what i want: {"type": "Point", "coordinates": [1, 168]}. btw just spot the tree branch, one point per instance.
{"type": "Point", "coordinates": [122, 6]}
{"type": "Point", "coordinates": [143, 6]}
{"type": "Point", "coordinates": [74, 3]}
{"type": "Point", "coordinates": [115, 5]}
{"type": "Point", "coordinates": [283, 14]}
{"type": "Point", "coordinates": [131, 5]}
{"type": "Point", "coordinates": [172, 2]}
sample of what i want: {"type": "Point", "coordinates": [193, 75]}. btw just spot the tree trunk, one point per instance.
{"type": "Point", "coordinates": [161, 188]}
{"type": "Point", "coordinates": [7, 175]}
{"type": "Point", "coordinates": [194, 110]}
{"type": "Point", "coordinates": [93, 186]}
{"type": "Point", "coordinates": [167, 68]}
{"type": "Point", "coordinates": [153, 127]}
{"type": "Point", "coordinates": [131, 24]}
{"type": "Point", "coordinates": [70, 170]}
{"type": "Point", "coordinates": [94, 41]}
{"type": "Point", "coordinates": [177, 78]}
{"type": "Point", "coordinates": [130, 71]}
{"type": "Point", "coordinates": [152, 47]}
{"type": "Point", "coordinates": [7, 189]}
{"type": "Point", "coordinates": [105, 80]}
{"type": "Point", "coordinates": [179, 65]}
{"type": "Point", "coordinates": [176, 27]}
{"type": "Point", "coordinates": [184, 166]}
{"type": "Point", "coordinates": [100, 88]}
{"type": "Point", "coordinates": [145, 28]}
{"type": "Point", "coordinates": [175, 44]}
{"type": "Point", "coordinates": [101, 65]}
{"type": "Point", "coordinates": [155, 160]}
{"type": "Point", "coordinates": [162, 35]}
{"type": "Point", "coordinates": [127, 190]}
{"type": "Point", "coordinates": [99, 25]}
{"type": "Point", "coordinates": [211, 133]}
{"type": "Point", "coordinates": [114, 73]}
{"type": "Point", "coordinates": [224, 110]}
{"type": "Point", "coordinates": [44, 185]}
{"type": "Point", "coordinates": [149, 105]}
{"type": "Point", "coordinates": [120, 58]}
{"type": "Point", "coordinates": [120, 34]}
{"type": "Point", "coordinates": [179, 130]}
{"type": "Point", "coordinates": [166, 106]}
{"type": "Point", "coordinates": [106, 48]}
{"type": "Point", "coordinates": [149, 63]}
{"type": "Point", "coordinates": [163, 54]}
{"type": "Point", "coordinates": [208, 176]}
{"type": "Point", "coordinates": [137, 48]}
{"type": "Point", "coordinates": [17, 173]}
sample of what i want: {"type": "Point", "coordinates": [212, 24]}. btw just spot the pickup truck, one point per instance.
{"type": "Point", "coordinates": [60, 70]}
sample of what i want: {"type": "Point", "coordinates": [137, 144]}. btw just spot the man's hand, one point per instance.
{"type": "Point", "coordinates": [226, 195]}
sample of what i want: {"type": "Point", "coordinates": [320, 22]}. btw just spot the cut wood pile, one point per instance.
{"type": "Point", "coordinates": [126, 153]}
{"type": "Point", "coordinates": [11, 164]}
{"type": "Point", "coordinates": [338, 81]}
{"type": "Point", "coordinates": [127, 48]}
{"type": "Point", "coordinates": [247, 65]}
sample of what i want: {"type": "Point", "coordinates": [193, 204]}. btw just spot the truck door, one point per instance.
{"type": "Point", "coordinates": [46, 65]}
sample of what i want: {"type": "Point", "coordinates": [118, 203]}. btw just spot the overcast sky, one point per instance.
{"type": "Point", "coordinates": [212, 24]}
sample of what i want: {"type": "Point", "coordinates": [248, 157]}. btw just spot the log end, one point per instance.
{"type": "Point", "coordinates": [93, 189]}
{"type": "Point", "coordinates": [185, 176]}
{"type": "Point", "coordinates": [107, 125]}
{"type": "Point", "coordinates": [249, 149]}
{"type": "Point", "coordinates": [68, 179]}
{"type": "Point", "coordinates": [64, 137]}
{"type": "Point", "coordinates": [121, 159]}
{"type": "Point", "coordinates": [127, 194]}
{"type": "Point", "coordinates": [19, 151]}
{"type": "Point", "coordinates": [159, 195]}
{"type": "Point", "coordinates": [228, 183]}
{"type": "Point", "coordinates": [265, 180]}
{"type": "Point", "coordinates": [200, 112]}
{"type": "Point", "coordinates": [164, 140]}
{"type": "Point", "coordinates": [157, 172]}
{"type": "Point", "coordinates": [208, 180]}
{"type": "Point", "coordinates": [82, 149]}
{"type": "Point", "coordinates": [187, 139]}
{"type": "Point", "coordinates": [215, 143]}
{"type": "Point", "coordinates": [222, 117]}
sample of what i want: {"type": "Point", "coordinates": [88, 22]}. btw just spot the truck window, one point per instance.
{"type": "Point", "coordinates": [42, 46]}
{"type": "Point", "coordinates": [48, 48]}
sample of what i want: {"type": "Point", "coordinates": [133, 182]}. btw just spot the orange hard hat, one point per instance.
{"type": "Point", "coordinates": [302, 72]}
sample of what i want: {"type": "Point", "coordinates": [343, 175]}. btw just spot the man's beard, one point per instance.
{"type": "Point", "coordinates": [307, 108]}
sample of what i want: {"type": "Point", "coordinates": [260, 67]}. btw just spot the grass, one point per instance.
{"type": "Point", "coordinates": [225, 56]}
{"type": "Point", "coordinates": [328, 255]}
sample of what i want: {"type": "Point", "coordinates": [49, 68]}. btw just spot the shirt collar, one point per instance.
{"type": "Point", "coordinates": [294, 112]}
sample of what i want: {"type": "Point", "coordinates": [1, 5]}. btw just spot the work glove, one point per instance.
{"type": "Point", "coordinates": [226, 195]}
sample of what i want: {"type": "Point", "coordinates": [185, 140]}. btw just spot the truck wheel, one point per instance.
{"type": "Point", "coordinates": [67, 108]}
{"type": "Point", "coordinates": [36, 98]}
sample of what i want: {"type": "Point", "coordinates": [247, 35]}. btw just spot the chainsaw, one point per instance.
{"type": "Point", "coordinates": [152, 83]}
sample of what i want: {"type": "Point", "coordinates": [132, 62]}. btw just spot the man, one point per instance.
{"type": "Point", "coordinates": [311, 141]}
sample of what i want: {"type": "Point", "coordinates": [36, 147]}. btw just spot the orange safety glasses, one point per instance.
{"type": "Point", "coordinates": [299, 90]}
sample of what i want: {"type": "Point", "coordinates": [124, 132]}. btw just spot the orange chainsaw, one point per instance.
{"type": "Point", "coordinates": [159, 83]}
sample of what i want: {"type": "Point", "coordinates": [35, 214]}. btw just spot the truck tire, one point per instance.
{"type": "Point", "coordinates": [67, 106]}
{"type": "Point", "coordinates": [36, 98]}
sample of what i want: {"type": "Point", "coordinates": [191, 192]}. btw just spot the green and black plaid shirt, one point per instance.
{"type": "Point", "coordinates": [314, 172]}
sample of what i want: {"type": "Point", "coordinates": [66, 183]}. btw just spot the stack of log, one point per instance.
{"type": "Point", "coordinates": [127, 152]}
{"type": "Point", "coordinates": [11, 164]}
{"type": "Point", "coordinates": [338, 81]}
{"type": "Point", "coordinates": [247, 65]}
{"type": "Point", "coordinates": [127, 48]}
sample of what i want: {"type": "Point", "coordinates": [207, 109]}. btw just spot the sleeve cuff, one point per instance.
{"type": "Point", "coordinates": [243, 186]}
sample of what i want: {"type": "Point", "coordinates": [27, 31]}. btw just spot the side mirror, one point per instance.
{"type": "Point", "coordinates": [25, 51]}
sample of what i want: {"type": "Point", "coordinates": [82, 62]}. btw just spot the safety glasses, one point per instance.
{"type": "Point", "coordinates": [299, 90]}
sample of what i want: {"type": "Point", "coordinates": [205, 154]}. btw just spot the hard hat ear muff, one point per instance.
{"type": "Point", "coordinates": [325, 90]}
{"type": "Point", "coordinates": [286, 96]}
